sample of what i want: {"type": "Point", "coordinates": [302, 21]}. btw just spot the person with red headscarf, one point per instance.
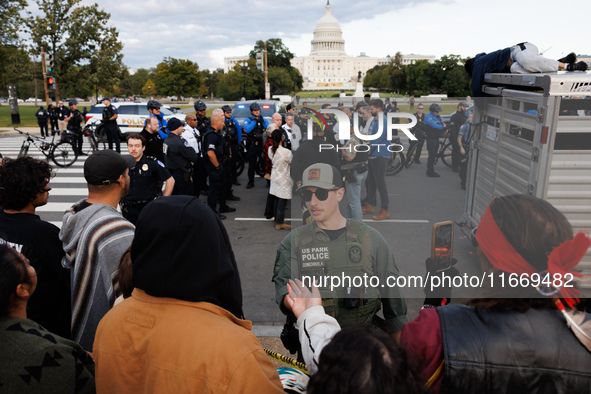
{"type": "Point", "coordinates": [518, 343]}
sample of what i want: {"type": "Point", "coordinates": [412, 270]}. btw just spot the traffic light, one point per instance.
{"type": "Point", "coordinates": [49, 63]}
{"type": "Point", "coordinates": [260, 61]}
{"type": "Point", "coordinates": [50, 83]}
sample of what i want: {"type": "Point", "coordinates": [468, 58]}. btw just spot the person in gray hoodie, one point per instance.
{"type": "Point", "coordinates": [94, 237]}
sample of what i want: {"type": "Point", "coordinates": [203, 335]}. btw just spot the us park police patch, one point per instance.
{"type": "Point", "coordinates": [355, 254]}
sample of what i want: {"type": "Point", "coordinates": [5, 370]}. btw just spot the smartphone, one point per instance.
{"type": "Point", "coordinates": [442, 245]}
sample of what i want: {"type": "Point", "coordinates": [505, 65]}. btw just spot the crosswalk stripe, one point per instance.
{"type": "Point", "coordinates": [56, 206]}
{"type": "Point", "coordinates": [68, 192]}
{"type": "Point", "coordinates": [64, 179]}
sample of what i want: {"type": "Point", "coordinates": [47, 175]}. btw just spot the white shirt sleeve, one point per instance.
{"type": "Point", "coordinates": [190, 138]}
{"type": "Point", "coordinates": [316, 330]}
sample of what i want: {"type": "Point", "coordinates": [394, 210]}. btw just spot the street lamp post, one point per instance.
{"type": "Point", "coordinates": [412, 62]}
{"type": "Point", "coordinates": [150, 91]}
{"type": "Point", "coordinates": [244, 71]}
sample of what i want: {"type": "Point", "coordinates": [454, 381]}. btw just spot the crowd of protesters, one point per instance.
{"type": "Point", "coordinates": [180, 326]}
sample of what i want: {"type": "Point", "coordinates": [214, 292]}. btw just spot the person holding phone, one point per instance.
{"type": "Point", "coordinates": [493, 345]}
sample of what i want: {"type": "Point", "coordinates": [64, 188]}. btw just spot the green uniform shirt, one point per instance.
{"type": "Point", "coordinates": [359, 250]}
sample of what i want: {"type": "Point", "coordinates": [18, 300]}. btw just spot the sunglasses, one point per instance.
{"type": "Point", "coordinates": [321, 194]}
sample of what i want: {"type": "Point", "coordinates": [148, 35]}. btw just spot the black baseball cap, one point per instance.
{"type": "Point", "coordinates": [105, 98]}
{"type": "Point", "coordinates": [106, 166]}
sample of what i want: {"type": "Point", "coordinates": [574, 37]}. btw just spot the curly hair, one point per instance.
{"type": "Point", "coordinates": [21, 180]}
{"type": "Point", "coordinates": [363, 359]}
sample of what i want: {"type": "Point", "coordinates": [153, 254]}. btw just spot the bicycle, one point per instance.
{"type": "Point", "coordinates": [241, 161]}
{"type": "Point", "coordinates": [397, 160]}
{"type": "Point", "coordinates": [62, 153]}
{"type": "Point", "coordinates": [94, 142]}
{"type": "Point", "coordinates": [443, 152]}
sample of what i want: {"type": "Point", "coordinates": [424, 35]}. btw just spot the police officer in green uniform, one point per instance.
{"type": "Point", "coordinates": [335, 247]}
{"type": "Point", "coordinates": [146, 179]}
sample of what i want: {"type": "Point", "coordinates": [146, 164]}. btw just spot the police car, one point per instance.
{"type": "Point", "coordinates": [131, 116]}
{"type": "Point", "coordinates": [241, 109]}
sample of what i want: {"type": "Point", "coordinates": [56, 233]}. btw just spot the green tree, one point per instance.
{"type": "Point", "coordinates": [279, 56]}
{"type": "Point", "coordinates": [133, 84]}
{"type": "Point", "coordinates": [211, 80]}
{"type": "Point", "coordinates": [16, 68]}
{"type": "Point", "coordinates": [10, 20]}
{"type": "Point", "coordinates": [149, 88]}
{"type": "Point", "coordinates": [447, 75]}
{"type": "Point", "coordinates": [236, 84]}
{"type": "Point", "coordinates": [86, 49]}
{"type": "Point", "coordinates": [177, 77]}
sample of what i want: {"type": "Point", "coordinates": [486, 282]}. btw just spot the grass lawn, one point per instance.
{"type": "Point", "coordinates": [329, 93]}
{"type": "Point", "coordinates": [27, 113]}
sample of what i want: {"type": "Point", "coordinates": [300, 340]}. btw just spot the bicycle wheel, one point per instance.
{"type": "Point", "coordinates": [260, 168]}
{"type": "Point", "coordinates": [396, 163]}
{"type": "Point", "coordinates": [98, 145]}
{"type": "Point", "coordinates": [446, 154]}
{"type": "Point", "coordinates": [23, 152]}
{"type": "Point", "coordinates": [88, 146]}
{"type": "Point", "coordinates": [410, 156]}
{"type": "Point", "coordinates": [239, 163]}
{"type": "Point", "coordinates": [63, 154]}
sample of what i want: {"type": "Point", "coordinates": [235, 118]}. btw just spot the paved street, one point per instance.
{"type": "Point", "coordinates": [416, 202]}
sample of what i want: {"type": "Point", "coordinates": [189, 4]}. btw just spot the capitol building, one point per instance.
{"type": "Point", "coordinates": [328, 67]}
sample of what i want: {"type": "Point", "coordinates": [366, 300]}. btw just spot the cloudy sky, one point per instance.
{"type": "Point", "coordinates": [207, 31]}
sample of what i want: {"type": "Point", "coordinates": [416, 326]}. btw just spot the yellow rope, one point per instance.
{"type": "Point", "coordinates": [288, 361]}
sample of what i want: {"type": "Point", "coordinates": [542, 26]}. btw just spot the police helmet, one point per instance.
{"type": "Point", "coordinates": [154, 104]}
{"type": "Point", "coordinates": [435, 108]}
{"type": "Point", "coordinates": [71, 102]}
{"type": "Point", "coordinates": [226, 108]}
{"type": "Point", "coordinates": [255, 106]}
{"type": "Point", "coordinates": [200, 106]}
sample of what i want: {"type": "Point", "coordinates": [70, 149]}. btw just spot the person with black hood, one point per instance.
{"type": "Point", "coordinates": [182, 329]}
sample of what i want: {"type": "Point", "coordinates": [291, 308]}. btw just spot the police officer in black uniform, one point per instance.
{"type": "Point", "coordinates": [203, 124]}
{"type": "Point", "coordinates": [153, 139]}
{"type": "Point", "coordinates": [179, 158]}
{"type": "Point", "coordinates": [42, 117]}
{"type": "Point", "coordinates": [146, 179]}
{"type": "Point", "coordinates": [254, 127]}
{"type": "Point", "coordinates": [110, 124]}
{"type": "Point", "coordinates": [74, 121]}
{"type": "Point", "coordinates": [217, 153]}
{"type": "Point", "coordinates": [233, 135]}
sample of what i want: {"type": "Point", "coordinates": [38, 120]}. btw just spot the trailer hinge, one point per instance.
{"type": "Point", "coordinates": [530, 189]}
{"type": "Point", "coordinates": [535, 154]}
{"type": "Point", "coordinates": [540, 117]}
{"type": "Point", "coordinates": [475, 145]}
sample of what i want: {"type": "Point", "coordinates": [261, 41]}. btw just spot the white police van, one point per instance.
{"type": "Point", "coordinates": [131, 116]}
